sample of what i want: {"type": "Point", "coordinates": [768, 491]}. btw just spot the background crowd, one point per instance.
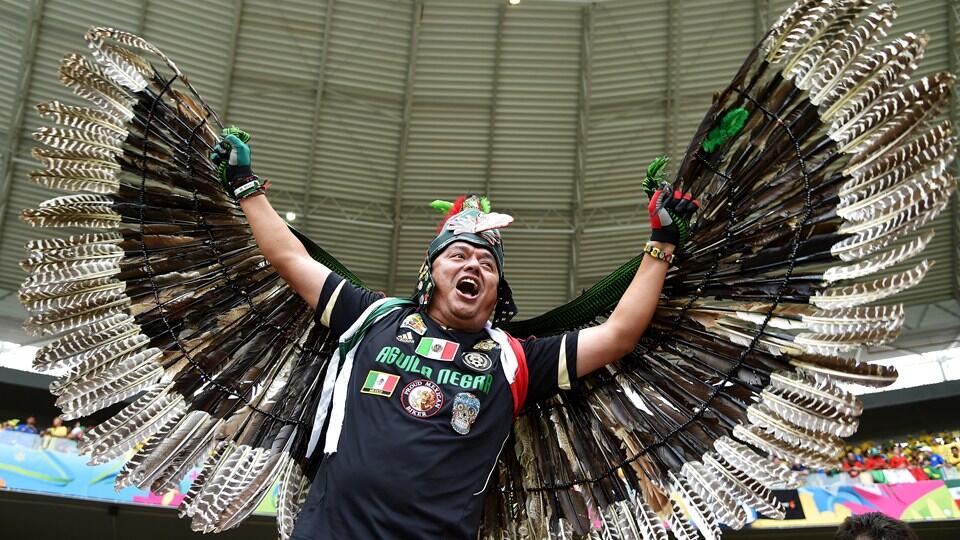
{"type": "Point", "coordinates": [925, 457]}
{"type": "Point", "coordinates": [58, 429]}
{"type": "Point", "coordinates": [901, 460]}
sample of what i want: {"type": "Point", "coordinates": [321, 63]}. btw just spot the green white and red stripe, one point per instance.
{"type": "Point", "coordinates": [380, 383]}
{"type": "Point", "coordinates": [437, 349]}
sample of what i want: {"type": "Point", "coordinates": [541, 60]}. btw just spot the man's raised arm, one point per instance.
{"type": "Point", "coordinates": [281, 248]}
{"type": "Point", "coordinates": [618, 335]}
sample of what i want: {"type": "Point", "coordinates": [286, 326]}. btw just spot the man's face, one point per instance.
{"type": "Point", "coordinates": [955, 451]}
{"type": "Point", "coordinates": [31, 421]}
{"type": "Point", "coordinates": [465, 281]}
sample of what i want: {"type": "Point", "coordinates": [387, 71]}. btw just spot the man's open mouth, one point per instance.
{"type": "Point", "coordinates": [469, 287]}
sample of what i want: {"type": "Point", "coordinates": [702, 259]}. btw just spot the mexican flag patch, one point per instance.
{"type": "Point", "coordinates": [437, 349]}
{"type": "Point", "coordinates": [379, 383]}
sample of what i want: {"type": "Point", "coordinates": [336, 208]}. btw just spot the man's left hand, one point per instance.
{"type": "Point", "coordinates": [670, 214]}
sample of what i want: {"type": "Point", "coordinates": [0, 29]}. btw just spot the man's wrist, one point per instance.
{"type": "Point", "coordinates": [666, 235]}
{"type": "Point", "coordinates": [654, 250]}
{"type": "Point", "coordinates": [249, 186]}
{"type": "Point", "coordinates": [239, 171]}
{"type": "Point", "coordinates": [666, 247]}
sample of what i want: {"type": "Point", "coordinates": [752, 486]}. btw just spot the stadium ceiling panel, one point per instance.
{"type": "Point", "coordinates": [363, 111]}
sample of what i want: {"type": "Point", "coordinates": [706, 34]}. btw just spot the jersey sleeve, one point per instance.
{"type": "Point", "coordinates": [551, 365]}
{"type": "Point", "coordinates": [341, 303]}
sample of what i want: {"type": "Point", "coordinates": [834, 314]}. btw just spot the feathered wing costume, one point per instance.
{"type": "Point", "coordinates": [819, 156]}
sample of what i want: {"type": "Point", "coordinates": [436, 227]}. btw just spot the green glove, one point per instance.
{"type": "Point", "coordinates": [232, 158]}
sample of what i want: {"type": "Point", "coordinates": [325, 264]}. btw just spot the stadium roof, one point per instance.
{"type": "Point", "coordinates": [363, 111]}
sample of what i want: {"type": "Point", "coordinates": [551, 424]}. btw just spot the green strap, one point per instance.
{"type": "Point", "coordinates": [320, 255]}
{"type": "Point", "coordinates": [386, 307]}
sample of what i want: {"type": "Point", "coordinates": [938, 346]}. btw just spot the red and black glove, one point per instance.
{"type": "Point", "coordinates": [670, 214]}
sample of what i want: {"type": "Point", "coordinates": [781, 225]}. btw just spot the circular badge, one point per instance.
{"type": "Point", "coordinates": [422, 398]}
{"type": "Point", "coordinates": [477, 361]}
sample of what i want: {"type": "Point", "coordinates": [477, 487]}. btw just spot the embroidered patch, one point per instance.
{"type": "Point", "coordinates": [438, 349]}
{"type": "Point", "coordinates": [466, 407]}
{"type": "Point", "coordinates": [485, 345]}
{"type": "Point", "coordinates": [379, 383]}
{"type": "Point", "coordinates": [405, 337]}
{"type": "Point", "coordinates": [422, 398]}
{"type": "Point", "coordinates": [477, 361]}
{"type": "Point", "coordinates": [414, 322]}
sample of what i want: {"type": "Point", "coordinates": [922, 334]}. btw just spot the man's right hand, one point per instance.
{"type": "Point", "coordinates": [232, 158]}
{"type": "Point", "coordinates": [277, 243]}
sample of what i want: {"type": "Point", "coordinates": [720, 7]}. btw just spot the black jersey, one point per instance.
{"type": "Point", "coordinates": [427, 413]}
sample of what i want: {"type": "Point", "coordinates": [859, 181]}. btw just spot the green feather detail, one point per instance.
{"type": "Point", "coordinates": [730, 125]}
{"type": "Point", "coordinates": [655, 174]}
{"type": "Point", "coordinates": [485, 204]}
{"type": "Point", "coordinates": [441, 206]}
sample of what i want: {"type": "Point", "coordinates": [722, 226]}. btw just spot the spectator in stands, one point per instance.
{"type": "Point", "coordinates": [876, 460]}
{"type": "Point", "coordinates": [57, 429]}
{"type": "Point", "coordinates": [916, 468]}
{"type": "Point", "coordinates": [30, 426]}
{"type": "Point", "coordinates": [10, 424]}
{"type": "Point", "coordinates": [852, 464]}
{"type": "Point", "coordinates": [76, 434]}
{"type": "Point", "coordinates": [954, 458]}
{"type": "Point", "coordinates": [899, 465]}
{"type": "Point", "coordinates": [875, 463]}
{"type": "Point", "coordinates": [898, 460]}
{"type": "Point", "coordinates": [936, 460]}
{"type": "Point", "coordinates": [932, 471]}
{"type": "Point", "coordinates": [874, 526]}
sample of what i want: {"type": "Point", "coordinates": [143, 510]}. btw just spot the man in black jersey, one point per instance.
{"type": "Point", "coordinates": [428, 389]}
